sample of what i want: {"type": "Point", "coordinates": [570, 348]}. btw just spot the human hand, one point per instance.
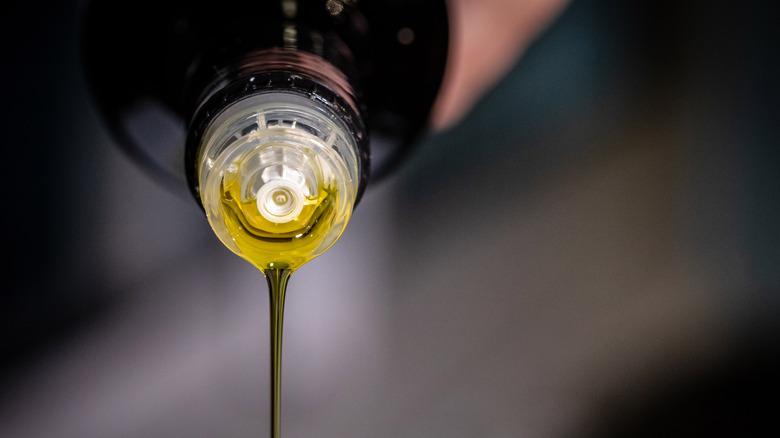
{"type": "Point", "coordinates": [486, 38]}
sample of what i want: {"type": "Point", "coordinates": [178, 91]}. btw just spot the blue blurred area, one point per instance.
{"type": "Point", "coordinates": [599, 236]}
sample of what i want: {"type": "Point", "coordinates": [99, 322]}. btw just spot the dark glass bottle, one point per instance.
{"type": "Point", "coordinates": [163, 71]}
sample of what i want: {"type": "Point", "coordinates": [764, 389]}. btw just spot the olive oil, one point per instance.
{"type": "Point", "coordinates": [277, 245]}
{"type": "Point", "coordinates": [277, 228]}
{"type": "Point", "coordinates": [278, 182]}
{"type": "Point", "coordinates": [277, 249]}
{"type": "Point", "coordinates": [277, 288]}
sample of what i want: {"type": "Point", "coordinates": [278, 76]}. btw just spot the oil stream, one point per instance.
{"type": "Point", "coordinates": [277, 287]}
{"type": "Point", "coordinates": [260, 228]}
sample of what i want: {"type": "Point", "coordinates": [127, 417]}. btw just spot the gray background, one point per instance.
{"type": "Point", "coordinates": [593, 250]}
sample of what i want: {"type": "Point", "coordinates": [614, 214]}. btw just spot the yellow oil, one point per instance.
{"type": "Point", "coordinates": [270, 245]}
{"type": "Point", "coordinates": [277, 288]}
{"type": "Point", "coordinates": [277, 249]}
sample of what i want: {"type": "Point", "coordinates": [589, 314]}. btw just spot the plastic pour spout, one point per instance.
{"type": "Point", "coordinates": [279, 175]}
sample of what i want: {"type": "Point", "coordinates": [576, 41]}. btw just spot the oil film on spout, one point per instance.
{"type": "Point", "coordinates": [273, 114]}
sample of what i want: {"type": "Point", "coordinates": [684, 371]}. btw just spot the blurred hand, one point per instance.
{"type": "Point", "coordinates": [487, 37]}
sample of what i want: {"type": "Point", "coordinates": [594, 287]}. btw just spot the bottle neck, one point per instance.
{"type": "Point", "coordinates": [269, 72]}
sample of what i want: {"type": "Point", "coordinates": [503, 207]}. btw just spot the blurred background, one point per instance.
{"type": "Point", "coordinates": [593, 251]}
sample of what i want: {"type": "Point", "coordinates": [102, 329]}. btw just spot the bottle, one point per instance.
{"type": "Point", "coordinates": [312, 96]}
{"type": "Point", "coordinates": [266, 110]}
